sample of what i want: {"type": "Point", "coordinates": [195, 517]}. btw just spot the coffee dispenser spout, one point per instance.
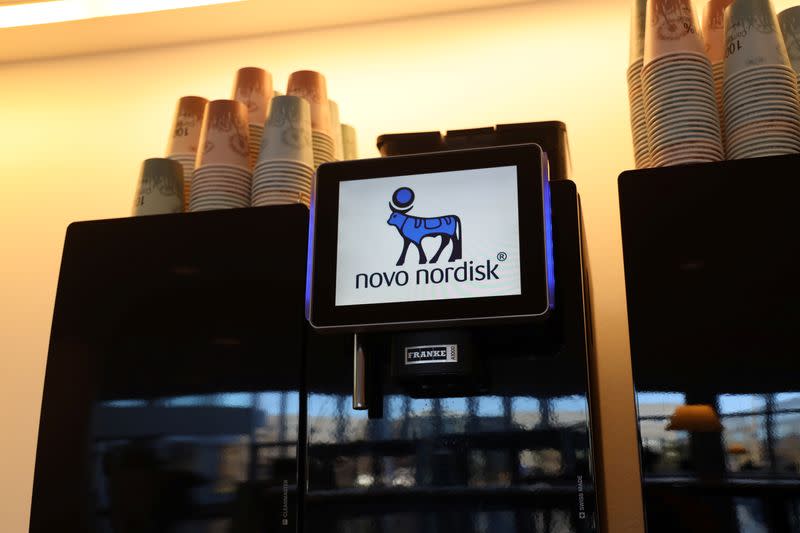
{"type": "Point", "coordinates": [359, 376]}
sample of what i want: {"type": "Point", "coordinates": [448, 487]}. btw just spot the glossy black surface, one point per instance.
{"type": "Point", "coordinates": [711, 272]}
{"type": "Point", "coordinates": [172, 394]}
{"type": "Point", "coordinates": [507, 456]}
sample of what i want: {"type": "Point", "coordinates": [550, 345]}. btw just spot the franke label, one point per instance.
{"type": "Point", "coordinates": [436, 353]}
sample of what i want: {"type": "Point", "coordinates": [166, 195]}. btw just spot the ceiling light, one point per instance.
{"type": "Point", "coordinates": [47, 12]}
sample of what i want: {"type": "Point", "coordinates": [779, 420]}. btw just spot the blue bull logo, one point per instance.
{"type": "Point", "coordinates": [416, 229]}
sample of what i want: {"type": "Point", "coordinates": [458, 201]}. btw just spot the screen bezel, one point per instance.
{"type": "Point", "coordinates": [534, 299]}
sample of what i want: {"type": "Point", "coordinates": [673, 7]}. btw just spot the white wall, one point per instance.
{"type": "Point", "coordinates": [74, 131]}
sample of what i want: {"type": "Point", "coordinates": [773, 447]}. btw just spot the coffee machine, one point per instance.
{"type": "Point", "coordinates": [275, 369]}
{"type": "Point", "coordinates": [710, 267]}
{"type": "Point", "coordinates": [470, 408]}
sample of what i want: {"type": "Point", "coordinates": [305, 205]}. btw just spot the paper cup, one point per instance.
{"type": "Point", "coordinates": [187, 125]}
{"type": "Point", "coordinates": [638, 23]}
{"type": "Point", "coordinates": [336, 127]}
{"type": "Point", "coordinates": [323, 147]}
{"type": "Point", "coordinates": [637, 113]}
{"type": "Point", "coordinates": [671, 27]}
{"type": "Point", "coordinates": [752, 37]}
{"type": "Point", "coordinates": [714, 29]}
{"type": "Point", "coordinates": [287, 133]}
{"type": "Point", "coordinates": [313, 87]}
{"type": "Point", "coordinates": [160, 188]}
{"type": "Point", "coordinates": [349, 142]}
{"type": "Point", "coordinates": [225, 137]}
{"type": "Point", "coordinates": [253, 87]}
{"type": "Point", "coordinates": [789, 20]}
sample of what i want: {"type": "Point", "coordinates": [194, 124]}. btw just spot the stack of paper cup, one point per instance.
{"type": "Point", "coordinates": [680, 106]}
{"type": "Point", "coordinates": [253, 87]}
{"type": "Point", "coordinates": [221, 179]}
{"type": "Point", "coordinates": [336, 127]}
{"type": "Point", "coordinates": [349, 146]}
{"type": "Point", "coordinates": [641, 150]}
{"type": "Point", "coordinates": [714, 38]}
{"type": "Point", "coordinates": [312, 86]}
{"type": "Point", "coordinates": [760, 101]}
{"type": "Point", "coordinates": [185, 137]}
{"type": "Point", "coordinates": [160, 188]}
{"type": "Point", "coordinates": [285, 166]}
{"type": "Point", "coordinates": [790, 27]}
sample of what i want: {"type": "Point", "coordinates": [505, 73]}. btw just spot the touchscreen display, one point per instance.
{"type": "Point", "coordinates": [423, 237]}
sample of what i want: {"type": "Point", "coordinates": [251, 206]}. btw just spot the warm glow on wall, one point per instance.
{"type": "Point", "coordinates": [76, 130]}
{"type": "Point", "coordinates": [30, 14]}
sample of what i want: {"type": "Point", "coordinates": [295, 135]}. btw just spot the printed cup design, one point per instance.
{"type": "Point", "coordinates": [160, 188]}
{"type": "Point", "coordinates": [671, 28]}
{"type": "Point", "coordinates": [714, 29]}
{"type": "Point", "coordinates": [313, 87]}
{"type": "Point", "coordinates": [225, 135]}
{"type": "Point", "coordinates": [187, 125]}
{"type": "Point", "coordinates": [284, 171]}
{"type": "Point", "coordinates": [789, 20]}
{"type": "Point", "coordinates": [672, 19]}
{"type": "Point", "coordinates": [253, 87]}
{"type": "Point", "coordinates": [287, 135]}
{"type": "Point", "coordinates": [753, 37]}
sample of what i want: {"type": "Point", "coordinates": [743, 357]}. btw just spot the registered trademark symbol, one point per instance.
{"type": "Point", "coordinates": [502, 256]}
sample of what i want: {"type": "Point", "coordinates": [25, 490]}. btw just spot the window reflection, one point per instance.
{"type": "Point", "coordinates": [180, 463]}
{"type": "Point", "coordinates": [787, 442]}
{"type": "Point", "coordinates": [744, 437]}
{"type": "Point", "coordinates": [738, 404]}
{"type": "Point", "coordinates": [752, 463]}
{"type": "Point", "coordinates": [761, 433]}
{"type": "Point", "coordinates": [663, 452]}
{"type": "Point", "coordinates": [658, 404]}
{"type": "Point", "coordinates": [479, 442]}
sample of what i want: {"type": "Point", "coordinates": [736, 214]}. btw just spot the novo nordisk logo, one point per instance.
{"type": "Point", "coordinates": [414, 230]}
{"type": "Point", "coordinates": [442, 353]}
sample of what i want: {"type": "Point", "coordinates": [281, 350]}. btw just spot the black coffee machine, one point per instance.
{"type": "Point", "coordinates": [185, 390]}
{"type": "Point", "coordinates": [711, 269]}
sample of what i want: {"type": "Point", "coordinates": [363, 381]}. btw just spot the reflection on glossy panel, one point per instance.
{"type": "Point", "coordinates": [749, 471]}
{"type": "Point", "coordinates": [184, 463]}
{"type": "Point", "coordinates": [486, 463]}
{"type": "Point", "coordinates": [750, 515]}
{"type": "Point", "coordinates": [787, 442]}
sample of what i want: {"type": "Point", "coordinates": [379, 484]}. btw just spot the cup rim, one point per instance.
{"type": "Point", "coordinates": [678, 55]}
{"type": "Point", "coordinates": [708, 144]}
{"type": "Point", "coordinates": [760, 81]}
{"type": "Point", "coordinates": [763, 131]}
{"type": "Point", "coordinates": [778, 106]}
{"type": "Point", "coordinates": [680, 109]}
{"type": "Point", "coordinates": [765, 111]}
{"type": "Point", "coordinates": [686, 89]}
{"type": "Point", "coordinates": [755, 68]}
